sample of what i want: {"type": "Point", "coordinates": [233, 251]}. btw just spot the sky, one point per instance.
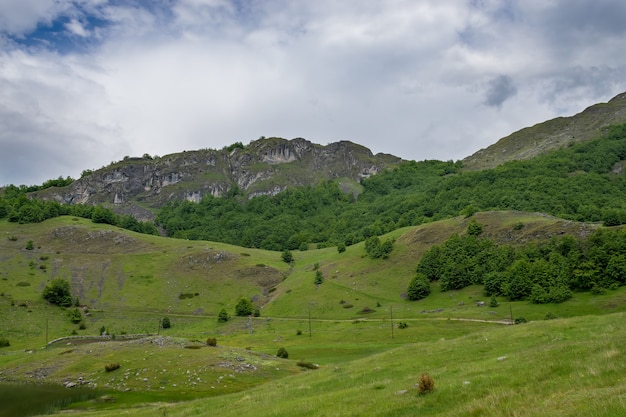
{"type": "Point", "coordinates": [84, 83]}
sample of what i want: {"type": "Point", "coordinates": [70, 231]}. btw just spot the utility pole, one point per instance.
{"type": "Point", "coordinates": [391, 314]}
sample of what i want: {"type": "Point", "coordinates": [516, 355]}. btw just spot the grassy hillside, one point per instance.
{"type": "Point", "coordinates": [553, 134]}
{"type": "Point", "coordinates": [126, 282]}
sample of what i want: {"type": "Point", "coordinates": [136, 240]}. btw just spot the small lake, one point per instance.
{"type": "Point", "coordinates": [23, 400]}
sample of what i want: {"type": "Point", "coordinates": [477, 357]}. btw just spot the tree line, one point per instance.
{"type": "Point", "coordinates": [545, 272]}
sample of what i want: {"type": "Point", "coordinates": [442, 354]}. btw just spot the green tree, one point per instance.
{"type": "Point", "coordinates": [58, 292]}
{"type": "Point", "coordinates": [419, 287]}
{"type": "Point", "coordinates": [103, 215]}
{"type": "Point", "coordinates": [319, 277]}
{"type": "Point", "coordinates": [244, 307]}
{"type": "Point", "coordinates": [165, 323]}
{"type": "Point", "coordinates": [287, 256]}
{"type": "Point", "coordinates": [474, 228]}
{"type": "Point", "coordinates": [222, 316]}
{"type": "Point", "coordinates": [75, 315]}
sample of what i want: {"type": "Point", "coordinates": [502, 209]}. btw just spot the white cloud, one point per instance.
{"type": "Point", "coordinates": [402, 77]}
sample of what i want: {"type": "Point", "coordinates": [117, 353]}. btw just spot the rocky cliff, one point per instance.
{"type": "Point", "coordinates": [263, 167]}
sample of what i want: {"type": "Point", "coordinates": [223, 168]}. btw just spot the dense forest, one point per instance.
{"type": "Point", "coordinates": [546, 272]}
{"type": "Point", "coordinates": [582, 182]}
{"type": "Point", "coordinates": [577, 183]}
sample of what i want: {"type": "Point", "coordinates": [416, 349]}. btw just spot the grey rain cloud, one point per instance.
{"type": "Point", "coordinates": [499, 90]}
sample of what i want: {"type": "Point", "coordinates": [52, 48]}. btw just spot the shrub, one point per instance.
{"type": "Point", "coordinates": [287, 257]}
{"type": "Point", "coordinates": [419, 287]}
{"type": "Point", "coordinates": [425, 384]}
{"type": "Point", "coordinates": [493, 302]}
{"type": "Point", "coordinates": [75, 316]}
{"type": "Point", "coordinates": [299, 332]}
{"type": "Point", "coordinates": [211, 341]}
{"type": "Point", "coordinates": [111, 367]}
{"type": "Point", "coordinates": [282, 353]}
{"type": "Point", "coordinates": [366, 310]}
{"type": "Point", "coordinates": [518, 226]}
{"type": "Point", "coordinates": [244, 307]}
{"type": "Point", "coordinates": [58, 292]}
{"type": "Point", "coordinates": [549, 316]}
{"type": "Point", "coordinates": [598, 289]}
{"type": "Point", "coordinates": [29, 245]}
{"type": "Point", "coordinates": [4, 342]}
{"type": "Point", "coordinates": [307, 365]}
{"type": "Point", "coordinates": [165, 323]}
{"type": "Point", "coordinates": [474, 228]}
{"type": "Point", "coordinates": [402, 325]}
{"type": "Point", "coordinates": [82, 326]}
{"type": "Point", "coordinates": [13, 238]}
{"type": "Point", "coordinates": [520, 320]}
{"type": "Point", "coordinates": [341, 248]}
{"type": "Point", "coordinates": [222, 316]}
{"type": "Point", "coordinates": [319, 277]}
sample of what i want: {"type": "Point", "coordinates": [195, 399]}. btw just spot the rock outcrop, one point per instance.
{"type": "Point", "coordinates": [263, 167]}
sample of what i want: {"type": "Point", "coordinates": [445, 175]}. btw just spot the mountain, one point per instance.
{"type": "Point", "coordinates": [264, 167]}
{"type": "Point", "coordinates": [552, 134]}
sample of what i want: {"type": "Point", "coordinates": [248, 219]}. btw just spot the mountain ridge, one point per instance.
{"type": "Point", "coordinates": [549, 135]}
{"type": "Point", "coordinates": [265, 166]}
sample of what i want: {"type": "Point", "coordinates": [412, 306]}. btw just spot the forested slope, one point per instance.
{"type": "Point", "coordinates": [584, 182]}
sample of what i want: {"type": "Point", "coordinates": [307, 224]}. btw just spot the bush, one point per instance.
{"type": "Point", "coordinates": [222, 316]}
{"type": "Point", "coordinates": [307, 365]}
{"type": "Point", "coordinates": [29, 245]}
{"type": "Point", "coordinates": [493, 302]}
{"type": "Point", "coordinates": [165, 323]}
{"type": "Point", "coordinates": [82, 326]}
{"type": "Point", "coordinates": [425, 384]}
{"type": "Point", "coordinates": [111, 367]}
{"type": "Point", "coordinates": [211, 341]}
{"type": "Point", "coordinates": [341, 248]}
{"type": "Point", "coordinates": [244, 307]}
{"type": "Point", "coordinates": [4, 342]}
{"type": "Point", "coordinates": [298, 332]}
{"type": "Point", "coordinates": [474, 228]}
{"type": "Point", "coordinates": [287, 256]}
{"type": "Point", "coordinates": [520, 320]}
{"type": "Point", "coordinates": [419, 287]}
{"type": "Point", "coordinates": [58, 292]}
{"type": "Point", "coordinates": [75, 316]}
{"type": "Point", "coordinates": [319, 277]}
{"type": "Point", "coordinates": [549, 316]}
{"type": "Point", "coordinates": [402, 325]}
{"type": "Point", "coordinates": [282, 353]}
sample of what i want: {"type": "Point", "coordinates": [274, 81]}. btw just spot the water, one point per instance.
{"type": "Point", "coordinates": [23, 400]}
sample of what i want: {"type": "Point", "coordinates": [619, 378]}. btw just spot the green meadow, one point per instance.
{"type": "Point", "coordinates": [355, 345]}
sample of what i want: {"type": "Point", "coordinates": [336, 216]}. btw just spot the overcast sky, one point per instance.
{"type": "Point", "coordinates": [87, 82]}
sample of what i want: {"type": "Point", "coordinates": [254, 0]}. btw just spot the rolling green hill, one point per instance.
{"type": "Point", "coordinates": [126, 282]}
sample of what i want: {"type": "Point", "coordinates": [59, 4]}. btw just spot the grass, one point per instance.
{"type": "Point", "coordinates": [535, 369]}
{"type": "Point", "coordinates": [128, 282]}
